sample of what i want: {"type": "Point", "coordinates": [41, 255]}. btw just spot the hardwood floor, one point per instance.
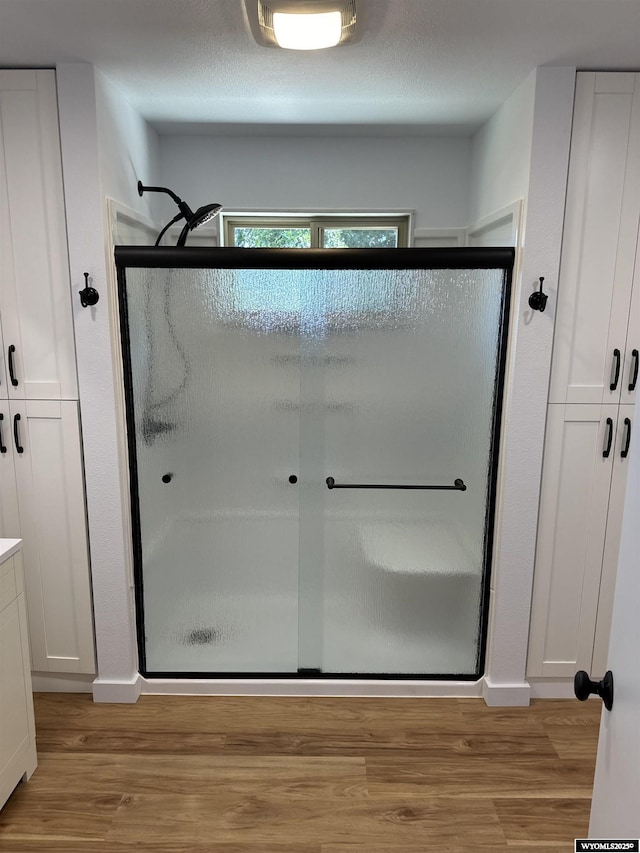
{"type": "Point", "coordinates": [289, 775]}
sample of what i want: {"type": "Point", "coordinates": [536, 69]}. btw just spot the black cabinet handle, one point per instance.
{"type": "Point", "coordinates": [12, 372]}
{"type": "Point", "coordinates": [3, 446]}
{"type": "Point", "coordinates": [583, 687]}
{"type": "Point", "coordinates": [614, 384]}
{"type": "Point", "coordinates": [16, 435]}
{"type": "Point", "coordinates": [634, 372]}
{"type": "Point", "coordinates": [627, 441]}
{"type": "Point", "coordinates": [458, 485]}
{"type": "Point", "coordinates": [607, 449]}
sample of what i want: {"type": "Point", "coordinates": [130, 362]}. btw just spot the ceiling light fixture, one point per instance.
{"type": "Point", "coordinates": [302, 24]}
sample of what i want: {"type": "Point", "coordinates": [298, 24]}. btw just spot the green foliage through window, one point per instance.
{"type": "Point", "coordinates": [327, 232]}
{"type": "Point", "coordinates": [273, 238]}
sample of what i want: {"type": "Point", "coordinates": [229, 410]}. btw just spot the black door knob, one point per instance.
{"type": "Point", "coordinates": [583, 687]}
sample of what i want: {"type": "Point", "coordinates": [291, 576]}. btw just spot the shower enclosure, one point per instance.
{"type": "Point", "coordinates": [313, 440]}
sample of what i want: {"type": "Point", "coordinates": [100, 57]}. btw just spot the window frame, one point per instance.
{"type": "Point", "coordinates": [317, 224]}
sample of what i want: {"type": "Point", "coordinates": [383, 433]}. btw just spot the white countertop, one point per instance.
{"type": "Point", "coordinates": [8, 548]}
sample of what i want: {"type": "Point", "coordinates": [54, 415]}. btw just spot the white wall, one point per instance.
{"type": "Point", "coordinates": [128, 149]}
{"type": "Point", "coordinates": [542, 128]}
{"type": "Point", "coordinates": [501, 154]}
{"type": "Point", "coordinates": [428, 175]}
{"type": "Point", "coordinates": [103, 144]}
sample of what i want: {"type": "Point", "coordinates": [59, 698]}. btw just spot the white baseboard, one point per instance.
{"type": "Point", "coordinates": [52, 682]}
{"type": "Point", "coordinates": [310, 687]}
{"type": "Point", "coordinates": [506, 695]}
{"type": "Point", "coordinates": [552, 688]}
{"type": "Point", "coordinates": [129, 691]}
{"type": "Point", "coordinates": [125, 691]}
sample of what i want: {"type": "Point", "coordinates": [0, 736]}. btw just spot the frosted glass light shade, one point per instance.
{"type": "Point", "coordinates": [299, 31]}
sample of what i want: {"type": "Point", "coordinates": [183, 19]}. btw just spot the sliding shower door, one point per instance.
{"type": "Point", "coordinates": [214, 411]}
{"type": "Point", "coordinates": [400, 470]}
{"type": "Point", "coordinates": [313, 448]}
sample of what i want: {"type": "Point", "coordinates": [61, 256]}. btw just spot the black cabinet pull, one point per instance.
{"type": "Point", "coordinates": [625, 450]}
{"type": "Point", "coordinates": [634, 372]}
{"type": "Point", "coordinates": [458, 485]}
{"type": "Point", "coordinates": [607, 449]}
{"type": "Point", "coordinates": [12, 372]}
{"type": "Point", "coordinates": [616, 356]}
{"type": "Point", "coordinates": [3, 446]}
{"type": "Point", "coordinates": [16, 436]}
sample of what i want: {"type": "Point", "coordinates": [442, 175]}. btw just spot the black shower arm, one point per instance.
{"type": "Point", "coordinates": [144, 189]}
{"type": "Point", "coordinates": [184, 208]}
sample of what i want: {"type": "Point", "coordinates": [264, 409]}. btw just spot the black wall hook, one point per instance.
{"type": "Point", "coordinates": [538, 299]}
{"type": "Point", "coordinates": [88, 295]}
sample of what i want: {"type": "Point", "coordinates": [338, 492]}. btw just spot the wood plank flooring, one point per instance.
{"type": "Point", "coordinates": [289, 775]}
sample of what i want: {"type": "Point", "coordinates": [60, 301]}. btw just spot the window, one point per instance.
{"type": "Point", "coordinates": [326, 232]}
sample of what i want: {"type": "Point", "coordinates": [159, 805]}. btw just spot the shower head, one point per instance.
{"type": "Point", "coordinates": [202, 215]}
{"type": "Point", "coordinates": [192, 220]}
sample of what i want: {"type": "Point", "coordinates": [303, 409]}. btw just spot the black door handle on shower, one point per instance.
{"type": "Point", "coordinates": [634, 372]}
{"type": "Point", "coordinates": [607, 449]}
{"type": "Point", "coordinates": [16, 435]}
{"type": "Point", "coordinates": [625, 450]}
{"type": "Point", "coordinates": [3, 446]}
{"type": "Point", "coordinates": [458, 485]}
{"type": "Point", "coordinates": [12, 372]}
{"type": "Point", "coordinates": [614, 384]}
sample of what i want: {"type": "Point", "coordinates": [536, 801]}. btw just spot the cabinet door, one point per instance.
{"type": "Point", "coordinates": [631, 371]}
{"type": "Point", "coordinates": [599, 240]}
{"type": "Point", "coordinates": [35, 295]}
{"type": "Point", "coordinates": [571, 536]}
{"type": "Point", "coordinates": [9, 516]}
{"type": "Point", "coordinates": [612, 540]}
{"type": "Point", "coordinates": [49, 478]}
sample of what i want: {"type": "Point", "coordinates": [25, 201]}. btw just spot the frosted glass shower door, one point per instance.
{"type": "Point", "coordinates": [313, 439]}
{"type": "Point", "coordinates": [214, 435]}
{"type": "Point", "coordinates": [406, 371]}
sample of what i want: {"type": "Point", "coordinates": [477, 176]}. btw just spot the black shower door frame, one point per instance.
{"type": "Point", "coordinates": [152, 257]}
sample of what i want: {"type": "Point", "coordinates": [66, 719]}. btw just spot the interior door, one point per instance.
{"type": "Point", "coordinates": [616, 790]}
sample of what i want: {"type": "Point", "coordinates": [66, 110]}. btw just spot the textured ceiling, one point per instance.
{"type": "Point", "coordinates": [420, 64]}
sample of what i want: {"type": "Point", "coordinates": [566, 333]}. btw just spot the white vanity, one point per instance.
{"type": "Point", "coordinates": [17, 727]}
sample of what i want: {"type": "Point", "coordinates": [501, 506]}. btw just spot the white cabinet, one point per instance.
{"type": "Point", "coordinates": [35, 298]}
{"type": "Point", "coordinates": [593, 385]}
{"type": "Point", "coordinates": [9, 516]}
{"type": "Point", "coordinates": [578, 535]}
{"type": "Point", "coordinates": [52, 523]}
{"type": "Point", "coordinates": [17, 727]}
{"type": "Point", "coordinates": [42, 485]}
{"type": "Point", "coordinates": [599, 243]}
{"type": "Point", "coordinates": [42, 501]}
